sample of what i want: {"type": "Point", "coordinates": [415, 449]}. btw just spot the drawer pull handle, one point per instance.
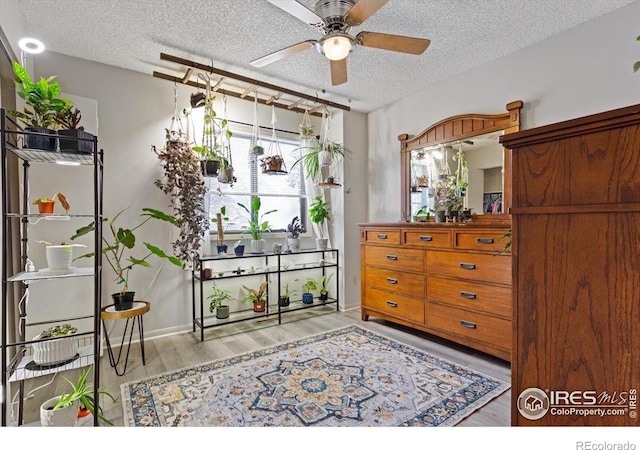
{"type": "Point", "coordinates": [471, 325]}
{"type": "Point", "coordinates": [426, 238]}
{"type": "Point", "coordinates": [484, 240]}
{"type": "Point", "coordinates": [392, 304]}
{"type": "Point", "coordinates": [382, 236]}
{"type": "Point", "coordinates": [469, 295]}
{"type": "Point", "coordinates": [467, 266]}
{"type": "Point", "coordinates": [392, 257]}
{"type": "Point", "coordinates": [392, 280]}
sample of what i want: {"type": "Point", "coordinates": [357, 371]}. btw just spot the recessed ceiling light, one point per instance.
{"type": "Point", "coordinates": [67, 163]}
{"type": "Point", "coordinates": [31, 45]}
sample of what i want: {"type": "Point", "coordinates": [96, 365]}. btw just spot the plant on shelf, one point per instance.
{"type": "Point", "coordinates": [285, 298]}
{"type": "Point", "coordinates": [257, 296]}
{"type": "Point", "coordinates": [310, 286]}
{"type": "Point", "coordinates": [257, 226]}
{"type": "Point", "coordinates": [81, 393]}
{"type": "Point", "coordinates": [42, 104]}
{"type": "Point", "coordinates": [215, 302]}
{"type": "Point", "coordinates": [446, 198]}
{"type": "Point", "coordinates": [294, 228]}
{"type": "Point", "coordinates": [320, 286]}
{"type": "Point", "coordinates": [319, 212]}
{"type": "Point", "coordinates": [46, 204]}
{"type": "Point", "coordinates": [321, 154]}
{"type": "Point", "coordinates": [47, 350]}
{"type": "Point", "coordinates": [220, 220]}
{"type": "Point", "coordinates": [182, 181]}
{"type": "Point", "coordinates": [68, 122]}
{"type": "Point", "coordinates": [117, 251]}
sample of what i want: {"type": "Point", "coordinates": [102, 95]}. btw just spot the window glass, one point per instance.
{"type": "Point", "coordinates": [284, 193]}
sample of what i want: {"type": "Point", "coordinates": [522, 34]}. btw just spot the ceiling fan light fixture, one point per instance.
{"type": "Point", "coordinates": [336, 47]}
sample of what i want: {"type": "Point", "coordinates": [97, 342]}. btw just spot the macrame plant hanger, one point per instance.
{"type": "Point", "coordinates": [256, 149]}
{"type": "Point", "coordinates": [175, 129]}
{"type": "Point", "coordinates": [225, 175]}
{"type": "Point", "coordinates": [273, 162]}
{"type": "Point", "coordinates": [209, 150]}
{"type": "Point", "coordinates": [325, 157]}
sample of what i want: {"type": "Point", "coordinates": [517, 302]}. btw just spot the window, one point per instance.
{"type": "Point", "coordinates": [284, 193]}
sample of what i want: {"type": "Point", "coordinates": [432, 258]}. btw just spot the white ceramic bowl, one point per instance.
{"type": "Point", "coordinates": [55, 350]}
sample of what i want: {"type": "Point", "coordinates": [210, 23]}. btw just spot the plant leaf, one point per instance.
{"type": "Point", "coordinates": [636, 66]}
{"type": "Point", "coordinates": [161, 215]}
{"type": "Point", "coordinates": [140, 262]}
{"type": "Point", "coordinates": [160, 253]}
{"type": "Point", "coordinates": [126, 238]}
{"type": "Point", "coordinates": [84, 230]}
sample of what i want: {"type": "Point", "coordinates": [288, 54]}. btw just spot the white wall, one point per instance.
{"type": "Point", "coordinates": [583, 71]}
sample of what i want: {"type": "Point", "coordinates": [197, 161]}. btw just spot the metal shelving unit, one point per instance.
{"type": "Point", "coordinates": [227, 267]}
{"type": "Point", "coordinates": [17, 364]}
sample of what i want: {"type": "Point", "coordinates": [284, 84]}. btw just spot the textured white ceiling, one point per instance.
{"type": "Point", "coordinates": [464, 34]}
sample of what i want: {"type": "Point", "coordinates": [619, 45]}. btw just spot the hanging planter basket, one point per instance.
{"type": "Point", "coordinates": [273, 165]}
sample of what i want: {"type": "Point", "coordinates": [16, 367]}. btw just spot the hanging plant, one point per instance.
{"type": "Point", "coordinates": [306, 128]}
{"type": "Point", "coordinates": [273, 162]}
{"type": "Point", "coordinates": [311, 160]}
{"type": "Point", "coordinates": [183, 182]}
{"type": "Point", "coordinates": [225, 175]}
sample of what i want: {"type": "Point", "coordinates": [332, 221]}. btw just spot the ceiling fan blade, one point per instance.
{"type": "Point", "coordinates": [362, 10]}
{"type": "Point", "coordinates": [281, 54]}
{"type": "Point", "coordinates": [339, 72]}
{"type": "Point", "coordinates": [404, 44]}
{"type": "Point", "coordinates": [298, 10]}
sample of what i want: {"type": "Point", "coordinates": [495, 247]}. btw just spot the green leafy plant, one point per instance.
{"type": "Point", "coordinates": [311, 159]}
{"type": "Point", "coordinates": [288, 292]}
{"type": "Point", "coordinates": [446, 198]}
{"type": "Point", "coordinates": [319, 210]}
{"type": "Point", "coordinates": [217, 297]}
{"type": "Point", "coordinates": [507, 244]}
{"type": "Point", "coordinates": [83, 393]}
{"type": "Point", "coordinates": [256, 296]}
{"type": "Point", "coordinates": [42, 99]}
{"type": "Point", "coordinates": [319, 286]}
{"type": "Point", "coordinates": [294, 228]}
{"type": "Point", "coordinates": [122, 241]}
{"type": "Point", "coordinates": [58, 331]}
{"type": "Point", "coordinates": [257, 225]}
{"type": "Point", "coordinates": [220, 220]}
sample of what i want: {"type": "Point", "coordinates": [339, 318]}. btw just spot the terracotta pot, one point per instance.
{"type": "Point", "coordinates": [46, 207]}
{"type": "Point", "coordinates": [259, 307]}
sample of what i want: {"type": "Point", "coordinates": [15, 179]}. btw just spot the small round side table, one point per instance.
{"type": "Point", "coordinates": [140, 307]}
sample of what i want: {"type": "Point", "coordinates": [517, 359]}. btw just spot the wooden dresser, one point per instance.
{"type": "Point", "coordinates": [576, 251]}
{"type": "Point", "coordinates": [449, 280]}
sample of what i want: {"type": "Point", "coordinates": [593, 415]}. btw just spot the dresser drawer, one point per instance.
{"type": "Point", "coordinates": [491, 330]}
{"type": "Point", "coordinates": [465, 294]}
{"type": "Point", "coordinates": [383, 236]}
{"type": "Point", "coordinates": [403, 283]}
{"type": "Point", "coordinates": [427, 238]}
{"type": "Point", "coordinates": [483, 240]}
{"type": "Point", "coordinates": [470, 266]}
{"type": "Point", "coordinates": [396, 305]}
{"type": "Point", "coordinates": [395, 258]}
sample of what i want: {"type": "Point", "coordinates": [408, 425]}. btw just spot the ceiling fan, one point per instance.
{"type": "Point", "coordinates": [334, 19]}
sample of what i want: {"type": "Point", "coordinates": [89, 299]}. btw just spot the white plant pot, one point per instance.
{"type": "Point", "coordinates": [293, 243]}
{"type": "Point", "coordinates": [322, 243]}
{"type": "Point", "coordinates": [257, 245]}
{"type": "Point", "coordinates": [63, 417]}
{"type": "Point", "coordinates": [59, 257]}
{"type": "Point", "coordinates": [55, 350]}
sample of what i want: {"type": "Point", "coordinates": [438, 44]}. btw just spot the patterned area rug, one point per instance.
{"type": "Point", "coordinates": [349, 377]}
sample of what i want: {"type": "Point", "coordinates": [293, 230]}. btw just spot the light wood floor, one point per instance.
{"type": "Point", "coordinates": [177, 351]}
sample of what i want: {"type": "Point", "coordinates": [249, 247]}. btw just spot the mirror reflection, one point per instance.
{"type": "Point", "coordinates": [459, 177]}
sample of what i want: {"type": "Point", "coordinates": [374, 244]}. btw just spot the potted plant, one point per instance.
{"type": "Point", "coordinates": [43, 102]}
{"type": "Point", "coordinates": [117, 250]}
{"type": "Point", "coordinates": [309, 287]}
{"type": "Point", "coordinates": [215, 302]}
{"type": "Point", "coordinates": [52, 349]}
{"type": "Point", "coordinates": [257, 297]}
{"type": "Point", "coordinates": [293, 233]}
{"type": "Point", "coordinates": [69, 122]}
{"type": "Point", "coordinates": [321, 154]}
{"type": "Point", "coordinates": [257, 225]}
{"type": "Point", "coordinates": [285, 298]}
{"type": "Point", "coordinates": [46, 204]}
{"type": "Point", "coordinates": [423, 214]}
{"type": "Point", "coordinates": [319, 211]}
{"type": "Point", "coordinates": [323, 288]}
{"type": "Point", "coordinates": [59, 257]}
{"type": "Point", "coordinates": [220, 219]}
{"type": "Point", "coordinates": [209, 151]}
{"type": "Point", "coordinates": [67, 404]}
{"type": "Point", "coordinates": [446, 202]}
{"type": "Point", "coordinates": [183, 183]}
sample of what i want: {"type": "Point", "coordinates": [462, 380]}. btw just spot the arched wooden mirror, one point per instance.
{"type": "Point", "coordinates": [440, 149]}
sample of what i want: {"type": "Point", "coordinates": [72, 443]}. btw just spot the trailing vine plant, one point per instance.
{"type": "Point", "coordinates": [183, 182]}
